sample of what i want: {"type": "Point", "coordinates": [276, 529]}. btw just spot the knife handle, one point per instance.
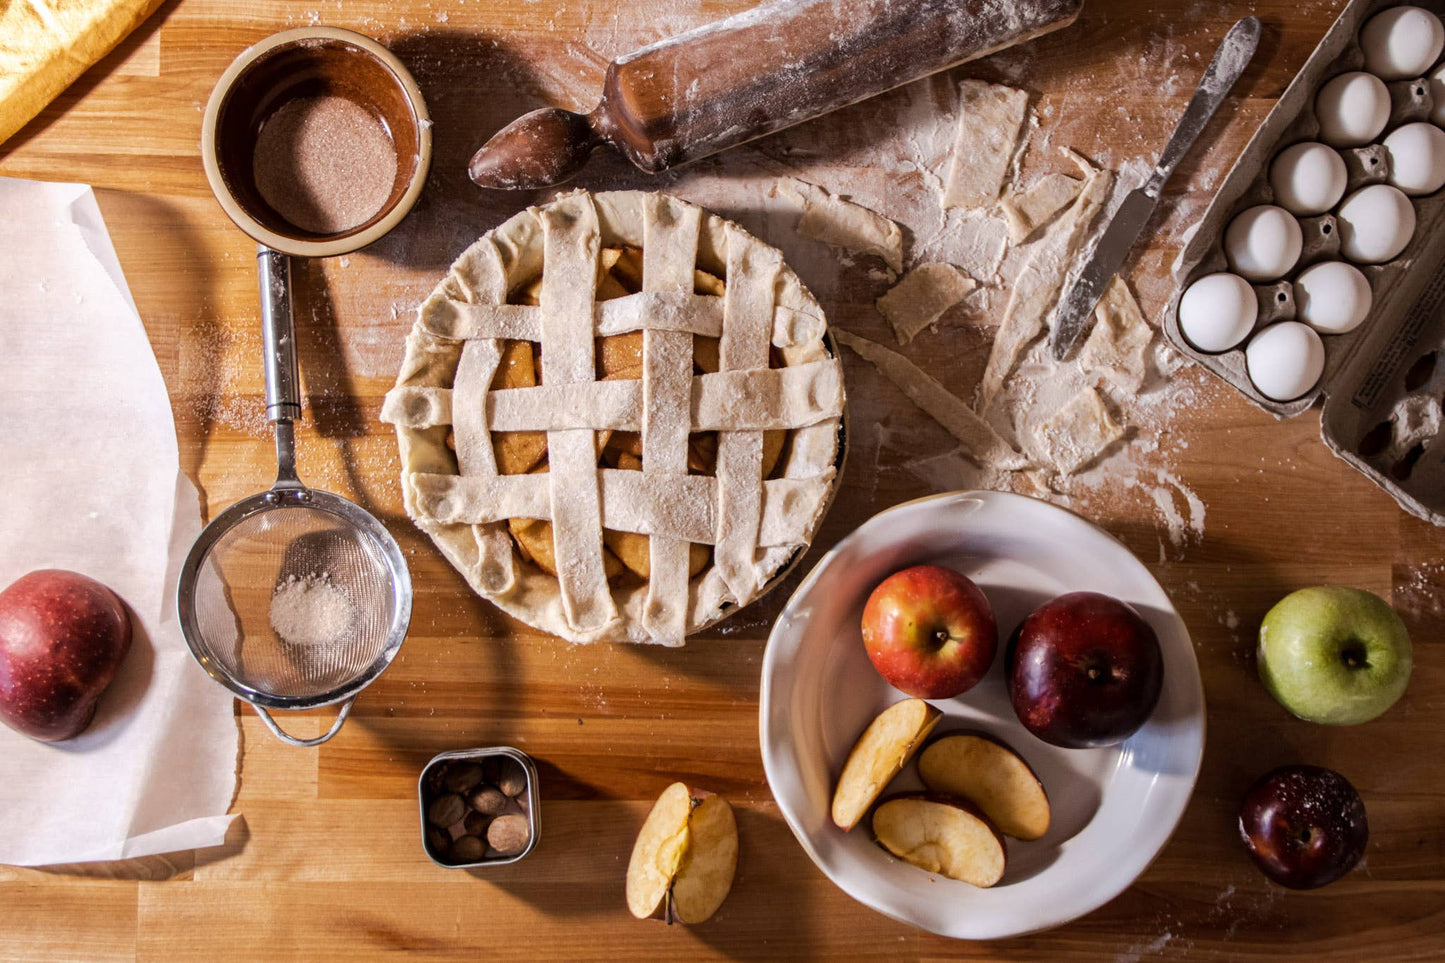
{"type": "Point", "coordinates": [1233, 55]}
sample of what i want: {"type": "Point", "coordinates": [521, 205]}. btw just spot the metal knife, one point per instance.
{"type": "Point", "coordinates": [1076, 309]}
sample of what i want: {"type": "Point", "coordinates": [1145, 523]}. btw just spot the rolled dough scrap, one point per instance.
{"type": "Point", "coordinates": [1028, 210]}
{"type": "Point", "coordinates": [840, 223]}
{"type": "Point", "coordinates": [980, 442]}
{"type": "Point", "coordinates": [46, 44]}
{"type": "Point", "coordinates": [1078, 433]}
{"type": "Point", "coordinates": [1117, 345]}
{"type": "Point", "coordinates": [990, 117]}
{"type": "Point", "coordinates": [1038, 285]}
{"type": "Point", "coordinates": [922, 296]}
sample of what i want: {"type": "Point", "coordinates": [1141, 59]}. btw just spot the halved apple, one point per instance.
{"type": "Point", "coordinates": [941, 834]}
{"type": "Point", "coordinates": [880, 753]}
{"type": "Point", "coordinates": [991, 776]}
{"type": "Point", "coordinates": [685, 856]}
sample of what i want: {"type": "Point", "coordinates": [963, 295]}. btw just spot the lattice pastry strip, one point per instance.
{"type": "Point", "coordinates": [669, 252]}
{"type": "Point", "coordinates": [485, 281]}
{"type": "Point", "coordinates": [771, 399]}
{"type": "Point", "coordinates": [569, 281]}
{"type": "Point", "coordinates": [753, 524]}
{"type": "Point", "coordinates": [748, 311]}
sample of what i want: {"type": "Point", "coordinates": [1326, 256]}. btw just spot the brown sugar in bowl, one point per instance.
{"type": "Point", "coordinates": [312, 62]}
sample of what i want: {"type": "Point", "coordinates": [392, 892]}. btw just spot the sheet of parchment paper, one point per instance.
{"type": "Point", "coordinates": [90, 481]}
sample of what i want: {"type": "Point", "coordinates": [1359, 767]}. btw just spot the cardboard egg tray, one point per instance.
{"type": "Point", "coordinates": [1381, 388]}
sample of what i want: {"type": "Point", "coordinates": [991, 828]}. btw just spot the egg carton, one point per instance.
{"type": "Point", "coordinates": [1381, 386]}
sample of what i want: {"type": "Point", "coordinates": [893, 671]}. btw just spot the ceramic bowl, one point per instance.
{"type": "Point", "coordinates": [1113, 808]}
{"type": "Point", "coordinates": [309, 62]}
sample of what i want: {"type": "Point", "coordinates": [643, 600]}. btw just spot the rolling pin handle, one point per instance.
{"type": "Point", "coordinates": [536, 150]}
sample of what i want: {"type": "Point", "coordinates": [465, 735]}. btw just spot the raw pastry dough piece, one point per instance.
{"type": "Point", "coordinates": [1121, 336]}
{"type": "Point", "coordinates": [1028, 210]}
{"type": "Point", "coordinates": [1039, 284]}
{"type": "Point", "coordinates": [840, 223]}
{"type": "Point", "coordinates": [980, 442]}
{"type": "Point", "coordinates": [1079, 432]}
{"type": "Point", "coordinates": [922, 296]}
{"type": "Point", "coordinates": [990, 117]}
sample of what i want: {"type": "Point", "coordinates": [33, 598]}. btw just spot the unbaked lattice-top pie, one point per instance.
{"type": "Point", "coordinates": [618, 417]}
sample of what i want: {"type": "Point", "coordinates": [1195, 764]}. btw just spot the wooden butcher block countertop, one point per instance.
{"type": "Point", "coordinates": [327, 863]}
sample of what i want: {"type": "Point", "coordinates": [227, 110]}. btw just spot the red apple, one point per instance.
{"type": "Point", "coordinates": [1304, 826]}
{"type": "Point", "coordinates": [930, 632]}
{"type": "Point", "coordinates": [1084, 670]}
{"type": "Point", "coordinates": [62, 638]}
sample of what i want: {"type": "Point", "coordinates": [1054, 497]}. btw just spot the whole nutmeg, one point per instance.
{"type": "Point", "coordinates": [468, 849]}
{"type": "Point", "coordinates": [462, 776]}
{"type": "Point", "coordinates": [439, 842]}
{"type": "Point", "coordinates": [511, 779]}
{"type": "Point", "coordinates": [445, 810]}
{"type": "Point", "coordinates": [509, 834]}
{"type": "Point", "coordinates": [488, 800]}
{"type": "Point", "coordinates": [475, 824]}
{"type": "Point", "coordinates": [491, 766]}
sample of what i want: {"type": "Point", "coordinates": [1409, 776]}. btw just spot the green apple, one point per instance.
{"type": "Point", "coordinates": [1336, 655]}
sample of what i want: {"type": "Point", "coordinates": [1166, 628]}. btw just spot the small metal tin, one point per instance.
{"type": "Point", "coordinates": [533, 806]}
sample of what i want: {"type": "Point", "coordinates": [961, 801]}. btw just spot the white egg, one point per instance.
{"type": "Point", "coordinates": [1332, 297]}
{"type": "Point", "coordinates": [1262, 243]}
{"type": "Point", "coordinates": [1308, 178]}
{"type": "Point", "coordinates": [1217, 312]}
{"type": "Point", "coordinates": [1417, 158]}
{"type": "Point", "coordinates": [1352, 109]}
{"type": "Point", "coordinates": [1376, 223]}
{"type": "Point", "coordinates": [1285, 360]}
{"type": "Point", "coordinates": [1402, 42]}
{"type": "Point", "coordinates": [1437, 94]}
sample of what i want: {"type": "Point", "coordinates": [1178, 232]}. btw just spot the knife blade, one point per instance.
{"type": "Point", "coordinates": [1076, 308]}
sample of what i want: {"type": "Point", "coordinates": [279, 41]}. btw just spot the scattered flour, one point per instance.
{"type": "Point", "coordinates": [889, 154]}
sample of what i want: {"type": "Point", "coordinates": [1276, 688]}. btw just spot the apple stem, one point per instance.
{"type": "Point", "coordinates": [1355, 657]}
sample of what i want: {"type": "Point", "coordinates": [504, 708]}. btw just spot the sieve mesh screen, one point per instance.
{"type": "Point", "coordinates": [293, 602]}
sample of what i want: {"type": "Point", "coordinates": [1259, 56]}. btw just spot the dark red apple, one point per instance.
{"type": "Point", "coordinates": [930, 632]}
{"type": "Point", "coordinates": [62, 638]}
{"type": "Point", "coordinates": [1304, 826]}
{"type": "Point", "coordinates": [1084, 670]}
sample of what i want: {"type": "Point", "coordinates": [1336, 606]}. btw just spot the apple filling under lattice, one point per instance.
{"type": "Point", "coordinates": [618, 357]}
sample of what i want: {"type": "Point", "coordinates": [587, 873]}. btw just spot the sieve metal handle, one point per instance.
{"type": "Point", "coordinates": [291, 740]}
{"type": "Point", "coordinates": [278, 340]}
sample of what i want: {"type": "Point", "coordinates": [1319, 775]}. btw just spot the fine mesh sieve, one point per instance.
{"type": "Point", "coordinates": [293, 598]}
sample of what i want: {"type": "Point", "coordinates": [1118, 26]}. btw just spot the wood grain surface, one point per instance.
{"type": "Point", "coordinates": [327, 864]}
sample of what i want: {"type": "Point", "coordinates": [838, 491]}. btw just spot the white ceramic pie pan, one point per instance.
{"type": "Point", "coordinates": [1113, 808]}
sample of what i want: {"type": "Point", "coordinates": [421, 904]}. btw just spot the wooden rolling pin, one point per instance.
{"type": "Point", "coordinates": [754, 73]}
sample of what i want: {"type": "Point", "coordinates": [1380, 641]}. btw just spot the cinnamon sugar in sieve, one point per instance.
{"type": "Point", "coordinates": [325, 164]}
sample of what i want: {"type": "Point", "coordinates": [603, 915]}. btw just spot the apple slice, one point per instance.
{"type": "Point", "coordinates": [880, 754]}
{"type": "Point", "coordinates": [706, 874]}
{"type": "Point", "coordinates": [684, 858]}
{"type": "Point", "coordinates": [941, 834]}
{"type": "Point", "coordinates": [991, 776]}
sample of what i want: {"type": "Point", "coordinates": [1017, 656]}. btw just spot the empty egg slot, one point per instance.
{"type": "Point", "coordinates": [1420, 372]}
{"type": "Point", "coordinates": [1376, 440]}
